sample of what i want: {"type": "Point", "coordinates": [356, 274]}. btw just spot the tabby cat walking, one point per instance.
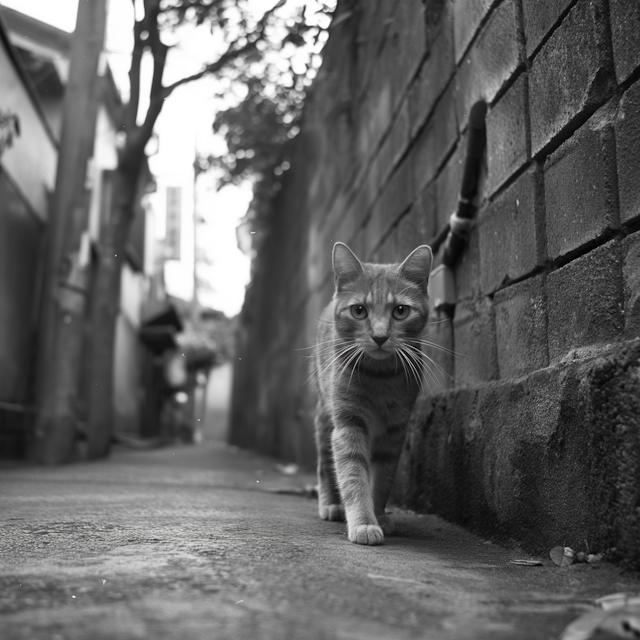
{"type": "Point", "coordinates": [369, 365]}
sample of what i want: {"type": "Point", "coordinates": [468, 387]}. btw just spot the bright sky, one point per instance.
{"type": "Point", "coordinates": [183, 127]}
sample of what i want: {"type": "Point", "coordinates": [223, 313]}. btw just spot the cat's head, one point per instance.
{"type": "Point", "coordinates": [381, 306]}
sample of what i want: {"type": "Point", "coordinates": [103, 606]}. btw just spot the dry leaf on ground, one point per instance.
{"type": "Point", "coordinates": [288, 469]}
{"type": "Point", "coordinates": [562, 556]}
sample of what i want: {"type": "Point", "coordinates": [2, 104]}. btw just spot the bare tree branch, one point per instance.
{"type": "Point", "coordinates": [228, 56]}
{"type": "Point", "coordinates": [158, 48]}
{"type": "Point", "coordinates": [232, 52]}
{"type": "Point", "coordinates": [159, 52]}
{"type": "Point", "coordinates": [131, 110]}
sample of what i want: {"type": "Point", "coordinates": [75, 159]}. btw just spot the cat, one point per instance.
{"type": "Point", "coordinates": [369, 366]}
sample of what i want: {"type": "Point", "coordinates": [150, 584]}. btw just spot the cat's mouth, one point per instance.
{"type": "Point", "coordinates": [379, 353]}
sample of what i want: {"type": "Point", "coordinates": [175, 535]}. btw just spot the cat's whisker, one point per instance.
{"type": "Point", "coordinates": [339, 347]}
{"type": "Point", "coordinates": [359, 355]}
{"type": "Point", "coordinates": [337, 357]}
{"type": "Point", "coordinates": [412, 366]}
{"type": "Point", "coordinates": [419, 373]}
{"type": "Point", "coordinates": [413, 353]}
{"type": "Point", "coordinates": [343, 366]}
{"type": "Point", "coordinates": [439, 347]}
{"type": "Point", "coordinates": [351, 358]}
{"type": "Point", "coordinates": [438, 321]}
{"type": "Point", "coordinates": [439, 368]}
{"type": "Point", "coordinates": [430, 374]}
{"type": "Point", "coordinates": [426, 373]}
{"type": "Point", "coordinates": [324, 366]}
{"type": "Point", "coordinates": [404, 367]}
{"type": "Point", "coordinates": [431, 360]}
{"type": "Point", "coordinates": [334, 341]}
{"type": "Point", "coordinates": [319, 344]}
{"type": "Point", "coordinates": [327, 350]}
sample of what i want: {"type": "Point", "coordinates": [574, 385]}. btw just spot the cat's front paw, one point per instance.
{"type": "Point", "coordinates": [386, 523]}
{"type": "Point", "coordinates": [366, 534]}
{"type": "Point", "coordinates": [334, 512]}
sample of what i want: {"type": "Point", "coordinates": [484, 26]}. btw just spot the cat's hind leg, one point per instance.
{"type": "Point", "coordinates": [329, 505]}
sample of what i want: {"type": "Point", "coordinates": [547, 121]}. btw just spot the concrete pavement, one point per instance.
{"type": "Point", "coordinates": [197, 542]}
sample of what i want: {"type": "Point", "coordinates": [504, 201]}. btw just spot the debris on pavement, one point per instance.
{"type": "Point", "coordinates": [562, 556]}
{"type": "Point", "coordinates": [308, 491]}
{"type": "Point", "coordinates": [527, 562]}
{"type": "Point", "coordinates": [288, 469]}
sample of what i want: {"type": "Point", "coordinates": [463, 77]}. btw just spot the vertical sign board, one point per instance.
{"type": "Point", "coordinates": [174, 218]}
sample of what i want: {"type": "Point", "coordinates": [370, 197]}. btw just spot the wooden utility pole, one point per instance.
{"type": "Point", "coordinates": [68, 254]}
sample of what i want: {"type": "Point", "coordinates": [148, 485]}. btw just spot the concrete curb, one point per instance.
{"type": "Point", "coordinates": [552, 458]}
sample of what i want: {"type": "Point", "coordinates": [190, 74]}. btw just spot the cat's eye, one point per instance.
{"type": "Point", "coordinates": [401, 312]}
{"type": "Point", "coordinates": [358, 311]}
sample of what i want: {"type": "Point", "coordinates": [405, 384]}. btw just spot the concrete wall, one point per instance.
{"type": "Point", "coordinates": [533, 431]}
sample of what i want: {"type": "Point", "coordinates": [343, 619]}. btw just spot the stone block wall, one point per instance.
{"type": "Point", "coordinates": [532, 430]}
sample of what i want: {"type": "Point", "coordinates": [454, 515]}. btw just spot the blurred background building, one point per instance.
{"type": "Point", "coordinates": [33, 74]}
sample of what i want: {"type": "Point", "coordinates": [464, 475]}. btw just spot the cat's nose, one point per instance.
{"type": "Point", "coordinates": [380, 340]}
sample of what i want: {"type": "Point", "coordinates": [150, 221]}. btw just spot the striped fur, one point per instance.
{"type": "Point", "coordinates": [369, 366]}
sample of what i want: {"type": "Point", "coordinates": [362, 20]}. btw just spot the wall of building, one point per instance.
{"type": "Point", "coordinates": [27, 175]}
{"type": "Point", "coordinates": [32, 160]}
{"type": "Point", "coordinates": [532, 430]}
{"type": "Point", "coordinates": [27, 180]}
{"type": "Point", "coordinates": [21, 236]}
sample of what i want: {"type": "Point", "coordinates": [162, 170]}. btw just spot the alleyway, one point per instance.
{"type": "Point", "coordinates": [197, 542]}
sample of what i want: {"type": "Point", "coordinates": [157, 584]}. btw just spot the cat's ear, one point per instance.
{"type": "Point", "coordinates": [346, 266]}
{"type": "Point", "coordinates": [417, 266]}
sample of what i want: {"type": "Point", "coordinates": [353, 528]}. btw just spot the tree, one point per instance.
{"type": "Point", "coordinates": [248, 39]}
{"type": "Point", "coordinates": [260, 130]}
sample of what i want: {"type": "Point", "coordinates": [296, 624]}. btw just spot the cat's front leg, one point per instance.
{"type": "Point", "coordinates": [385, 456]}
{"type": "Point", "coordinates": [329, 507]}
{"type": "Point", "coordinates": [353, 470]}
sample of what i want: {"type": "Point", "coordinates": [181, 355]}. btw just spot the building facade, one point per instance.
{"type": "Point", "coordinates": [34, 69]}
